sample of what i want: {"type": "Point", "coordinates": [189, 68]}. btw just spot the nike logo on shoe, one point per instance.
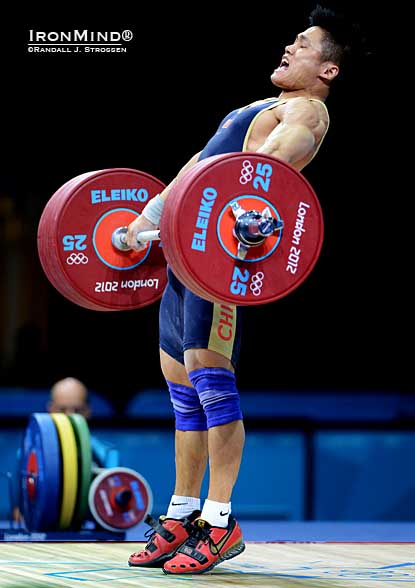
{"type": "Point", "coordinates": [223, 514]}
{"type": "Point", "coordinates": [216, 548]}
{"type": "Point", "coordinates": [178, 503]}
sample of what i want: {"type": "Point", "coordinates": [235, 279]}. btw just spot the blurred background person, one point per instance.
{"type": "Point", "coordinates": [69, 396]}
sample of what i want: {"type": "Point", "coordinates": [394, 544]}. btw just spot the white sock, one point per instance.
{"type": "Point", "coordinates": [182, 506]}
{"type": "Point", "coordinates": [216, 513]}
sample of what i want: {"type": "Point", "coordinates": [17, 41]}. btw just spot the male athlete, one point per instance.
{"type": "Point", "coordinates": [197, 366]}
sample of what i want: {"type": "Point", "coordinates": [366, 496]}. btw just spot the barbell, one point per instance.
{"type": "Point", "coordinates": [243, 228]}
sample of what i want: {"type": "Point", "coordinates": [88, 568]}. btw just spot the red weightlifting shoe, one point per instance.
{"type": "Point", "coordinates": [205, 548]}
{"type": "Point", "coordinates": [166, 535]}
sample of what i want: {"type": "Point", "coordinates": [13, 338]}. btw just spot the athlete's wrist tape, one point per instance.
{"type": "Point", "coordinates": [152, 210]}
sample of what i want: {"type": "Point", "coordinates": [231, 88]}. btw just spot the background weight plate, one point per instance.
{"type": "Point", "coordinates": [69, 453]}
{"type": "Point", "coordinates": [40, 477]}
{"type": "Point", "coordinates": [83, 441]}
{"type": "Point", "coordinates": [120, 498]}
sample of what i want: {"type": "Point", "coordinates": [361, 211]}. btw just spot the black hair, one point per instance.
{"type": "Point", "coordinates": [343, 39]}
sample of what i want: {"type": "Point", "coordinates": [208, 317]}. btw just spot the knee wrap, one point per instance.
{"type": "Point", "coordinates": [188, 411]}
{"type": "Point", "coordinates": [218, 395]}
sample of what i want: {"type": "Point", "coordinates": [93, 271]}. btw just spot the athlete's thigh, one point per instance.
{"type": "Point", "coordinates": [171, 319]}
{"type": "Point", "coordinates": [211, 326]}
{"type": "Point", "coordinates": [173, 371]}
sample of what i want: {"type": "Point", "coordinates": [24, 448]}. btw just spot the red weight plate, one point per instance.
{"type": "Point", "coordinates": [175, 263]}
{"type": "Point", "coordinates": [67, 288]}
{"type": "Point", "coordinates": [170, 243]}
{"type": "Point", "coordinates": [75, 248]}
{"type": "Point", "coordinates": [46, 230]}
{"type": "Point", "coordinates": [199, 222]}
{"type": "Point", "coordinates": [119, 498]}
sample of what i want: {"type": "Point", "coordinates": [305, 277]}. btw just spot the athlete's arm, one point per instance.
{"type": "Point", "coordinates": [296, 135]}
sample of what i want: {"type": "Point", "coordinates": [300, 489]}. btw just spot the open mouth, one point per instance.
{"type": "Point", "coordinates": [284, 65]}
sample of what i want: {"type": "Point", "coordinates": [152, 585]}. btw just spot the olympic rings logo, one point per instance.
{"type": "Point", "coordinates": [77, 258]}
{"type": "Point", "coordinates": [256, 283]}
{"type": "Point", "coordinates": [246, 172]}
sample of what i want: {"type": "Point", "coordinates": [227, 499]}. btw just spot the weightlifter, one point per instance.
{"type": "Point", "coordinates": [198, 365]}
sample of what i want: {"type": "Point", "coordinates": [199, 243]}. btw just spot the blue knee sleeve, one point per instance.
{"type": "Point", "coordinates": [188, 411]}
{"type": "Point", "coordinates": [218, 395]}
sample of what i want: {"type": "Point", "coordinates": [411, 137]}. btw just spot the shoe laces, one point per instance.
{"type": "Point", "coordinates": [200, 533]}
{"type": "Point", "coordinates": [149, 534]}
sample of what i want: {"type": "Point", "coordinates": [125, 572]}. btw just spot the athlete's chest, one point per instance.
{"type": "Point", "coordinates": [262, 125]}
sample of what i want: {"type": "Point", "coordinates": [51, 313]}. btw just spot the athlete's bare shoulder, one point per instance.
{"type": "Point", "coordinates": [307, 111]}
